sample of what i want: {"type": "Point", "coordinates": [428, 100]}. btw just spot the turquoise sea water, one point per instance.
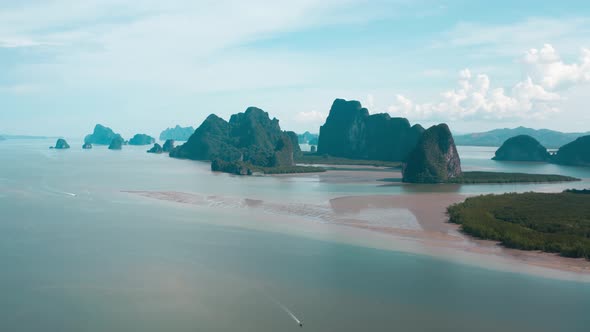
{"type": "Point", "coordinates": [78, 254]}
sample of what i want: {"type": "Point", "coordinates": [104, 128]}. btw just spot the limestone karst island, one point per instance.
{"type": "Point", "coordinates": [298, 165]}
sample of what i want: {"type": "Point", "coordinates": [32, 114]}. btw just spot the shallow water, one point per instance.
{"type": "Point", "coordinates": [77, 253]}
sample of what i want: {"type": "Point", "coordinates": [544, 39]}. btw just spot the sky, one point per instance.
{"type": "Point", "coordinates": [143, 66]}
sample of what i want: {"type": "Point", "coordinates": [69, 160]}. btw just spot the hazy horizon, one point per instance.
{"type": "Point", "coordinates": [143, 67]}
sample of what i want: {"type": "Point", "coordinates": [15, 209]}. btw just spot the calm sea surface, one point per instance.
{"type": "Point", "coordinates": [79, 254]}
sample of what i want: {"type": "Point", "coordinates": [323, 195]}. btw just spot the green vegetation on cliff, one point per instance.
{"type": "Point", "coordinates": [557, 223]}
{"type": "Point", "coordinates": [61, 144]}
{"type": "Point", "coordinates": [157, 148]}
{"type": "Point", "coordinates": [350, 132]}
{"type": "Point", "coordinates": [434, 159]}
{"type": "Point", "coordinates": [576, 153]}
{"type": "Point", "coordinates": [177, 133]}
{"type": "Point", "coordinates": [116, 143]}
{"type": "Point", "coordinates": [251, 138]}
{"type": "Point", "coordinates": [168, 145]}
{"type": "Point", "coordinates": [141, 139]}
{"type": "Point", "coordinates": [102, 135]}
{"type": "Point", "coordinates": [522, 148]}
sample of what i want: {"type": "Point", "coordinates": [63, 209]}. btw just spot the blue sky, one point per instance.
{"type": "Point", "coordinates": [142, 66]}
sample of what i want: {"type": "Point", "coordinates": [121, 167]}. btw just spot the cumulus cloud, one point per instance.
{"type": "Point", "coordinates": [546, 67]}
{"type": "Point", "coordinates": [535, 97]}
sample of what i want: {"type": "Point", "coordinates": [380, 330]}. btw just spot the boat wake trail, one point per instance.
{"type": "Point", "coordinates": [61, 192]}
{"type": "Point", "coordinates": [57, 192]}
{"type": "Point", "coordinates": [286, 310]}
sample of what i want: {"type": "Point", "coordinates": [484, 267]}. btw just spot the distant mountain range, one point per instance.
{"type": "Point", "coordinates": [549, 138]}
{"type": "Point", "coordinates": [24, 137]}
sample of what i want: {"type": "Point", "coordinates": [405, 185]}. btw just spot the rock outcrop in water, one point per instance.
{"type": "Point", "coordinates": [116, 143]}
{"type": "Point", "coordinates": [576, 153]}
{"type": "Point", "coordinates": [87, 146]}
{"type": "Point", "coordinates": [168, 145]}
{"type": "Point", "coordinates": [250, 137]}
{"type": "Point", "coordinates": [177, 133]}
{"type": "Point", "coordinates": [522, 148]}
{"type": "Point", "coordinates": [308, 138]}
{"type": "Point", "coordinates": [61, 144]}
{"type": "Point", "coordinates": [350, 132]}
{"type": "Point", "coordinates": [434, 159]}
{"type": "Point", "coordinates": [157, 148]}
{"type": "Point", "coordinates": [101, 135]}
{"type": "Point", "coordinates": [141, 139]}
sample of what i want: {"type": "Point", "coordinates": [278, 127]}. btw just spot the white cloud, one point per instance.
{"type": "Point", "coordinates": [474, 98]}
{"type": "Point", "coordinates": [546, 67]}
{"type": "Point", "coordinates": [177, 45]}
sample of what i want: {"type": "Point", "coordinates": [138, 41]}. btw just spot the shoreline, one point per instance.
{"type": "Point", "coordinates": [413, 223]}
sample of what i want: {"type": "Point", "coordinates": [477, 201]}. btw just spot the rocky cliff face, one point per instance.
{"type": "Point", "coordinates": [168, 145]}
{"type": "Point", "coordinates": [434, 159]}
{"type": "Point", "coordinates": [62, 144]}
{"type": "Point", "coordinates": [344, 133]}
{"type": "Point", "coordinates": [210, 141]}
{"type": "Point", "coordinates": [157, 148]}
{"type": "Point", "coordinates": [522, 148]}
{"type": "Point", "coordinates": [294, 143]}
{"type": "Point", "coordinates": [351, 132]}
{"type": "Point", "coordinates": [116, 143]}
{"type": "Point", "coordinates": [249, 137]}
{"type": "Point", "coordinates": [391, 138]}
{"type": "Point", "coordinates": [576, 153]}
{"type": "Point", "coordinates": [101, 135]}
{"type": "Point", "coordinates": [141, 139]}
{"type": "Point", "coordinates": [177, 133]}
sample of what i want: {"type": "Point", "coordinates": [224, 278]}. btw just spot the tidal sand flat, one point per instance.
{"type": "Point", "coordinates": [412, 222]}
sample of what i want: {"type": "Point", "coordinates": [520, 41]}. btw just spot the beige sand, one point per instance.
{"type": "Point", "coordinates": [345, 218]}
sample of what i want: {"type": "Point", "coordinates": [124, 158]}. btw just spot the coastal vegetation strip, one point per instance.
{"type": "Point", "coordinates": [555, 223]}
{"type": "Point", "coordinates": [318, 159]}
{"type": "Point", "coordinates": [288, 169]}
{"type": "Point", "coordinates": [246, 168]}
{"type": "Point", "coordinates": [500, 177]}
